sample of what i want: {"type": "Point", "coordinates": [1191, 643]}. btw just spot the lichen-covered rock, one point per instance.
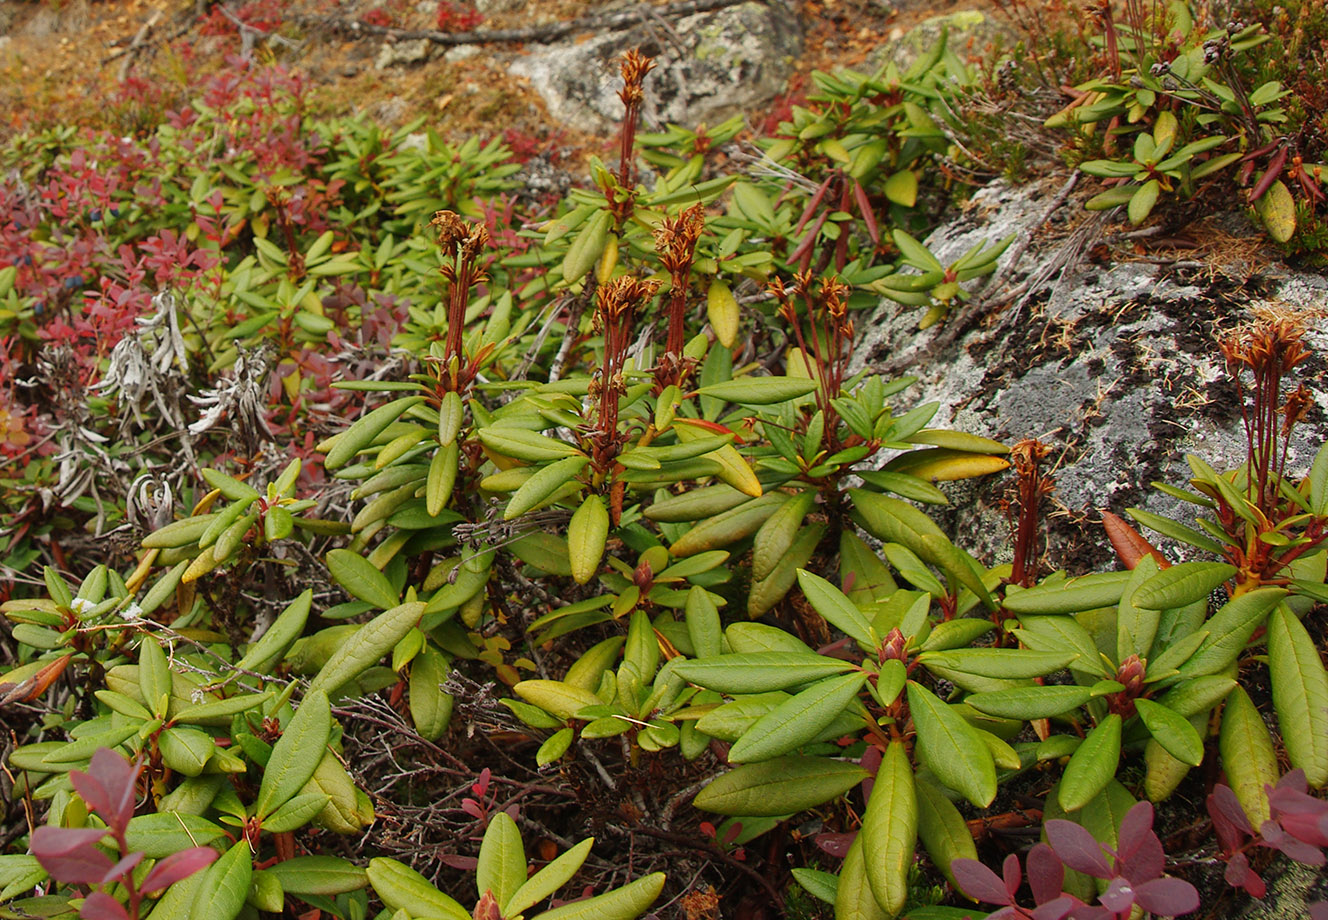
{"type": "Point", "coordinates": [969, 33]}
{"type": "Point", "coordinates": [404, 53]}
{"type": "Point", "coordinates": [710, 66]}
{"type": "Point", "coordinates": [1115, 367]}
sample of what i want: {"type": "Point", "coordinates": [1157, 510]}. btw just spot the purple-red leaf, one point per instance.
{"type": "Point", "coordinates": [1012, 875]}
{"type": "Point", "coordinates": [1046, 874]}
{"type": "Point", "coordinates": [1119, 896]}
{"type": "Point", "coordinates": [101, 906]}
{"type": "Point", "coordinates": [1057, 908]}
{"type": "Point", "coordinates": [1238, 874]}
{"type": "Point", "coordinates": [1077, 848]}
{"type": "Point", "coordinates": [1318, 910]}
{"type": "Point", "coordinates": [1229, 818]}
{"type": "Point", "coordinates": [1309, 828]}
{"type": "Point", "coordinates": [177, 866]}
{"type": "Point", "coordinates": [1167, 897]}
{"type": "Point", "coordinates": [1278, 839]}
{"type": "Point", "coordinates": [812, 204]}
{"type": "Point", "coordinates": [865, 208]}
{"type": "Point", "coordinates": [109, 787]}
{"type": "Point", "coordinates": [71, 854]}
{"type": "Point", "coordinates": [979, 882]}
{"type": "Point", "coordinates": [122, 868]}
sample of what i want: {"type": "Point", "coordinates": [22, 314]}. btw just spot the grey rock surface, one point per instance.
{"type": "Point", "coordinates": [403, 53]}
{"type": "Point", "coordinates": [968, 33]}
{"type": "Point", "coordinates": [1115, 367]}
{"type": "Point", "coordinates": [710, 66]}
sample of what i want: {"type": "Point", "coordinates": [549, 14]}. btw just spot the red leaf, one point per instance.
{"type": "Point", "coordinates": [812, 204]}
{"type": "Point", "coordinates": [1169, 897]}
{"type": "Point", "coordinates": [1046, 874]}
{"type": "Point", "coordinates": [122, 868]}
{"type": "Point", "coordinates": [71, 854]}
{"type": "Point", "coordinates": [979, 882]}
{"type": "Point", "coordinates": [1129, 544]}
{"type": "Point", "coordinates": [1077, 848]}
{"type": "Point", "coordinates": [835, 844]}
{"type": "Point", "coordinates": [28, 690]}
{"type": "Point", "coordinates": [101, 906]}
{"type": "Point", "coordinates": [1269, 175]}
{"type": "Point", "coordinates": [177, 866]}
{"type": "Point", "coordinates": [1012, 875]}
{"type": "Point", "coordinates": [865, 208]}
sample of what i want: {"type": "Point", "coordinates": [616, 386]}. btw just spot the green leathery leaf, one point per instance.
{"type": "Point", "coordinates": [554, 747]}
{"type": "Point", "coordinates": [1136, 626]}
{"type": "Point", "coordinates": [728, 526]}
{"type": "Point", "coordinates": [1171, 730]}
{"type": "Point", "coordinates": [1008, 664]}
{"type": "Point", "coordinates": [890, 830]}
{"type": "Point", "coordinates": [703, 624]}
{"type": "Point", "coordinates": [586, 247]}
{"type": "Point", "coordinates": [1197, 695]}
{"type": "Point", "coordinates": [1073, 595]}
{"type": "Point", "coordinates": [1230, 629]}
{"type": "Point", "coordinates": [1247, 755]}
{"type": "Point", "coordinates": [367, 646]}
{"type": "Point", "coordinates": [1318, 482]}
{"type": "Point", "coordinates": [296, 754]}
{"type": "Point", "coordinates": [697, 504]}
{"type": "Point", "coordinates": [1300, 694]}
{"type": "Point", "coordinates": [451, 412]}
{"type": "Point", "coordinates": [154, 676]}
{"type": "Point", "coordinates": [362, 433]}
{"type": "Point", "coordinates": [544, 483]}
{"type": "Point", "coordinates": [777, 534]}
{"type": "Point", "coordinates": [521, 444]}
{"type": "Point", "coordinates": [759, 391]}
{"type": "Point", "coordinates": [780, 786]}
{"type": "Point", "coordinates": [797, 720]}
{"type": "Point", "coordinates": [951, 748]}
{"type": "Point", "coordinates": [1092, 765]}
{"type": "Point", "coordinates": [359, 577]}
{"type": "Point", "coordinates": [854, 898]}
{"type": "Point", "coordinates": [759, 672]}
{"type": "Point", "coordinates": [774, 587]}
{"type": "Point", "coordinates": [225, 884]}
{"type": "Point", "coordinates": [556, 697]}
{"type": "Point", "coordinates": [835, 608]}
{"type": "Point", "coordinates": [586, 534]}
{"type": "Point", "coordinates": [501, 868]}
{"type": "Point", "coordinates": [280, 636]}
{"type": "Point", "coordinates": [1030, 702]}
{"type": "Point", "coordinates": [185, 750]}
{"type": "Point", "coordinates": [441, 478]}
{"type": "Point", "coordinates": [549, 879]}
{"type": "Point", "coordinates": [160, 834]}
{"type": "Point", "coordinates": [865, 577]}
{"type": "Point", "coordinates": [942, 829]}
{"type": "Point", "coordinates": [400, 887]}
{"type": "Point", "coordinates": [430, 704]}
{"type": "Point", "coordinates": [296, 812]}
{"type": "Point", "coordinates": [824, 886]}
{"type": "Point", "coordinates": [322, 875]}
{"type": "Point", "coordinates": [1182, 584]}
{"type": "Point", "coordinates": [625, 903]}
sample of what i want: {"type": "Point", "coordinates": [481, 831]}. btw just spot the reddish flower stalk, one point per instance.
{"type": "Point", "coordinates": [463, 244]}
{"type": "Point", "coordinates": [1269, 349]}
{"type": "Point", "coordinates": [825, 349]}
{"type": "Point", "coordinates": [635, 66]}
{"type": "Point", "coordinates": [675, 241]}
{"type": "Point", "coordinates": [1033, 485]}
{"type": "Point", "coordinates": [616, 305]}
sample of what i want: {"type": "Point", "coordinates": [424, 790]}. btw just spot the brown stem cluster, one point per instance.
{"type": "Point", "coordinates": [463, 244]}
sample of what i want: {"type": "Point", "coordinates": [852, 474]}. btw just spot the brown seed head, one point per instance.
{"type": "Point", "coordinates": [635, 66]}
{"type": "Point", "coordinates": [676, 238]}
